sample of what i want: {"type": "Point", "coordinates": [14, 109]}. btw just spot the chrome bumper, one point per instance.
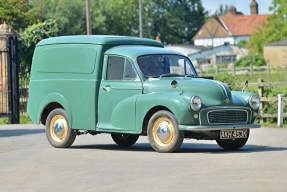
{"type": "Point", "coordinates": [217, 127]}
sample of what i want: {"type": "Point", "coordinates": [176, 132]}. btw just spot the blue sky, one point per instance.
{"type": "Point", "coordinates": [241, 5]}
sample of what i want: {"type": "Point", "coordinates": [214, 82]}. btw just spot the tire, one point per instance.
{"type": "Point", "coordinates": [232, 144]}
{"type": "Point", "coordinates": [125, 140]}
{"type": "Point", "coordinates": [58, 130]}
{"type": "Point", "coordinates": [163, 133]}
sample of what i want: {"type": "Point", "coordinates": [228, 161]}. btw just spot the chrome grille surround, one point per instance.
{"type": "Point", "coordinates": [227, 116]}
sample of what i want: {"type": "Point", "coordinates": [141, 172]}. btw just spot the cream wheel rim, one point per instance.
{"type": "Point", "coordinates": [163, 131]}
{"type": "Point", "coordinates": [58, 128]}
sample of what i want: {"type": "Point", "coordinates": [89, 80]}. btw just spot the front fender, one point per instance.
{"type": "Point", "coordinates": [173, 101]}
{"type": "Point", "coordinates": [241, 98]}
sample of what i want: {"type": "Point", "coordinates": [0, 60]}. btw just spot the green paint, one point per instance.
{"type": "Point", "coordinates": [71, 72]}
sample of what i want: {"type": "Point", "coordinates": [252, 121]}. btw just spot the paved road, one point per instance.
{"type": "Point", "coordinates": [95, 163]}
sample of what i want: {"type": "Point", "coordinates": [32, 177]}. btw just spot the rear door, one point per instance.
{"type": "Point", "coordinates": [119, 90]}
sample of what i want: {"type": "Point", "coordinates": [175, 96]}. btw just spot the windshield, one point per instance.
{"type": "Point", "coordinates": [165, 65]}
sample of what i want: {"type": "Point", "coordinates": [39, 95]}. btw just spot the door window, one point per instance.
{"type": "Point", "coordinates": [120, 68]}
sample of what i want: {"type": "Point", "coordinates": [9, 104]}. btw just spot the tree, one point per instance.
{"type": "Point", "coordinates": [70, 15]}
{"type": "Point", "coordinates": [176, 20]}
{"type": "Point", "coordinates": [275, 29]}
{"type": "Point", "coordinates": [222, 10]}
{"type": "Point", "coordinates": [18, 13]}
{"type": "Point", "coordinates": [121, 17]}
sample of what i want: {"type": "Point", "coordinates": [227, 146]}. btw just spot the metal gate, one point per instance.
{"type": "Point", "coordinates": [9, 82]}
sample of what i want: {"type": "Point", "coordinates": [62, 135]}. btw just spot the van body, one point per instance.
{"type": "Point", "coordinates": [129, 86]}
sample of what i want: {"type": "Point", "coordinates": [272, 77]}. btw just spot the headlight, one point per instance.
{"type": "Point", "coordinates": [195, 103]}
{"type": "Point", "coordinates": [254, 101]}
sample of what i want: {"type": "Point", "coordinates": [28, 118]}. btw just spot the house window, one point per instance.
{"type": "Point", "coordinates": [203, 61]}
{"type": "Point", "coordinates": [225, 58]}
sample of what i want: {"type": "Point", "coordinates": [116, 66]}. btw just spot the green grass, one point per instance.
{"type": "Point", "coordinates": [278, 77]}
{"type": "Point", "coordinates": [24, 119]}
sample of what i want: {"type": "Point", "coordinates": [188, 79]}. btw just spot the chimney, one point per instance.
{"type": "Point", "coordinates": [254, 7]}
{"type": "Point", "coordinates": [232, 10]}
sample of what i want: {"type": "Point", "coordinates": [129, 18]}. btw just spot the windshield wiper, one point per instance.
{"type": "Point", "coordinates": [190, 75]}
{"type": "Point", "coordinates": [170, 75]}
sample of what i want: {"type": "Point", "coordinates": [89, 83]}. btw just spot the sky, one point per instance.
{"type": "Point", "coordinates": [241, 5]}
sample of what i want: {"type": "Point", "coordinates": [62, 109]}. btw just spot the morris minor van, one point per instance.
{"type": "Point", "coordinates": [130, 87]}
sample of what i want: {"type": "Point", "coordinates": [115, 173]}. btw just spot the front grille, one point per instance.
{"type": "Point", "coordinates": [227, 117]}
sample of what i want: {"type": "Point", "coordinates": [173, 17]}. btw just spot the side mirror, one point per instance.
{"type": "Point", "coordinates": [245, 85]}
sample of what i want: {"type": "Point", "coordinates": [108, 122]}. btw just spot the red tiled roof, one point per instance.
{"type": "Point", "coordinates": [212, 28]}
{"type": "Point", "coordinates": [231, 25]}
{"type": "Point", "coordinates": [243, 24]}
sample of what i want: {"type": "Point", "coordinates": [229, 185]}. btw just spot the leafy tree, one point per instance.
{"type": "Point", "coordinates": [222, 10]}
{"type": "Point", "coordinates": [70, 15]}
{"type": "Point", "coordinates": [28, 40]}
{"type": "Point", "coordinates": [121, 17]}
{"type": "Point", "coordinates": [275, 29]}
{"type": "Point", "coordinates": [176, 21]}
{"type": "Point", "coordinates": [18, 13]}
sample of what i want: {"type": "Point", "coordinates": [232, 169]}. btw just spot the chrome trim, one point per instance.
{"type": "Point", "coordinates": [58, 127]}
{"type": "Point", "coordinates": [249, 101]}
{"type": "Point", "coordinates": [192, 106]}
{"type": "Point", "coordinates": [163, 132]}
{"type": "Point", "coordinates": [226, 110]}
{"type": "Point", "coordinates": [218, 127]}
{"type": "Point", "coordinates": [219, 83]}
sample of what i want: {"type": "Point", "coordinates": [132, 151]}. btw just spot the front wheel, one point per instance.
{"type": "Point", "coordinates": [163, 133]}
{"type": "Point", "coordinates": [58, 131]}
{"type": "Point", "coordinates": [232, 144]}
{"type": "Point", "coordinates": [125, 139]}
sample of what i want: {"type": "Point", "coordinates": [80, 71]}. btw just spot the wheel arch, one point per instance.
{"type": "Point", "coordinates": [47, 110]}
{"type": "Point", "coordinates": [149, 115]}
{"type": "Point", "coordinates": [51, 102]}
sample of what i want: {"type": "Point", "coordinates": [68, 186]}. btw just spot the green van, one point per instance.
{"type": "Point", "coordinates": [130, 87]}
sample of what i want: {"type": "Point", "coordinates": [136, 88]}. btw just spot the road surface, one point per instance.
{"type": "Point", "coordinates": [95, 163]}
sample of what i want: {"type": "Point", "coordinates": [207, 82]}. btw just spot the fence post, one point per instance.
{"type": "Point", "coordinates": [268, 69]}
{"type": "Point", "coordinates": [280, 110]}
{"type": "Point", "coordinates": [251, 69]}
{"type": "Point", "coordinates": [234, 69]}
{"type": "Point", "coordinates": [260, 93]}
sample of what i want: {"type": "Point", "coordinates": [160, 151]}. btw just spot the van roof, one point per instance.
{"type": "Point", "coordinates": [134, 51]}
{"type": "Point", "coordinates": [100, 40]}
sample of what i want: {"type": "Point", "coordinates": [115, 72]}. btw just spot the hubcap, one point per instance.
{"type": "Point", "coordinates": [163, 131]}
{"type": "Point", "coordinates": [58, 128]}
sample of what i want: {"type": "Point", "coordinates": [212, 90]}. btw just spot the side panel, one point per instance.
{"type": "Point", "coordinates": [72, 76]}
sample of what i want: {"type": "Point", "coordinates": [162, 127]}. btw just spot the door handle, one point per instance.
{"type": "Point", "coordinates": [106, 88]}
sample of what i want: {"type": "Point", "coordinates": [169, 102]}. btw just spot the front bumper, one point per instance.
{"type": "Point", "coordinates": [217, 127]}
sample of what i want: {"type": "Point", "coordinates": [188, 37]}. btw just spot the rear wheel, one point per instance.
{"type": "Point", "coordinates": [163, 133]}
{"type": "Point", "coordinates": [232, 144]}
{"type": "Point", "coordinates": [125, 139]}
{"type": "Point", "coordinates": [58, 131]}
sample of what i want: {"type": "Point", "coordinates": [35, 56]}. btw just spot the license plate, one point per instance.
{"type": "Point", "coordinates": [233, 134]}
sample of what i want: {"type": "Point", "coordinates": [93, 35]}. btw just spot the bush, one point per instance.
{"type": "Point", "coordinates": [231, 80]}
{"type": "Point", "coordinates": [255, 59]}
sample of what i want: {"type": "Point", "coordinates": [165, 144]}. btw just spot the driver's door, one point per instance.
{"type": "Point", "coordinates": [118, 92]}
